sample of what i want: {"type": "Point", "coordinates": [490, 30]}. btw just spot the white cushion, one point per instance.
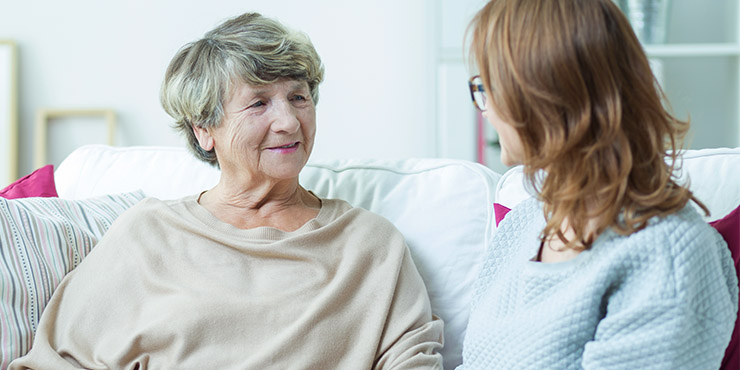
{"type": "Point", "coordinates": [512, 189]}
{"type": "Point", "coordinates": [161, 172]}
{"type": "Point", "coordinates": [443, 207]}
{"type": "Point", "coordinates": [713, 176]}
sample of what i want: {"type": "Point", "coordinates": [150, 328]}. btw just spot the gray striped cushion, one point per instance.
{"type": "Point", "coordinates": [41, 240]}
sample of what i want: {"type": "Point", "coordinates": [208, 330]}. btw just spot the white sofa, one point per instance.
{"type": "Point", "coordinates": [713, 175]}
{"type": "Point", "coordinates": [443, 207]}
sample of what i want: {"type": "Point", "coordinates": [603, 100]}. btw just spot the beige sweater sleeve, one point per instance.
{"type": "Point", "coordinates": [412, 336]}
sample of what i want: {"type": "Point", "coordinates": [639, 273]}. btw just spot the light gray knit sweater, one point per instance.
{"type": "Point", "coordinates": [662, 298]}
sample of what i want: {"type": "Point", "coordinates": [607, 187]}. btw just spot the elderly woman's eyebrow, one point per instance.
{"type": "Point", "coordinates": [299, 85]}
{"type": "Point", "coordinates": [266, 90]}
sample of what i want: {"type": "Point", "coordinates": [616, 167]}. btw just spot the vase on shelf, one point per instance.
{"type": "Point", "coordinates": [649, 19]}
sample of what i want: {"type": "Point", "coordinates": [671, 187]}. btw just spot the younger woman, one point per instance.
{"type": "Point", "coordinates": [609, 266]}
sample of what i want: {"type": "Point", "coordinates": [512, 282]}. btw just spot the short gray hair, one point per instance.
{"type": "Point", "coordinates": [248, 49]}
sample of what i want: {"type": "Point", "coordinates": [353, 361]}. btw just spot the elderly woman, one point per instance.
{"type": "Point", "coordinates": [257, 272]}
{"type": "Point", "coordinates": [610, 266]}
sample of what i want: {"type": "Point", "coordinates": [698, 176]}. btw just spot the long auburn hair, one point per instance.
{"type": "Point", "coordinates": [599, 146]}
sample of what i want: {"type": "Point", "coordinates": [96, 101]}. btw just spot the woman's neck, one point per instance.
{"type": "Point", "coordinates": [283, 205]}
{"type": "Point", "coordinates": [553, 249]}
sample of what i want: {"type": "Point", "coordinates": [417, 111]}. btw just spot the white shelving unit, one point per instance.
{"type": "Point", "coordinates": [457, 119]}
{"type": "Point", "coordinates": [699, 70]}
{"type": "Point", "coordinates": [693, 50]}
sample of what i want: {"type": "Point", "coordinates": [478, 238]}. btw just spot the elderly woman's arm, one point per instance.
{"type": "Point", "coordinates": [412, 336]}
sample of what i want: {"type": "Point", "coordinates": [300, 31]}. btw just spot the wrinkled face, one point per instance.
{"type": "Point", "coordinates": [267, 131]}
{"type": "Point", "coordinates": [512, 150]}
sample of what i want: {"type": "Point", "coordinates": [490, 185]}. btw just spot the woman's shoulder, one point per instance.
{"type": "Point", "coordinates": [670, 235]}
{"type": "Point", "coordinates": [671, 238]}
{"type": "Point", "coordinates": [340, 209]}
{"type": "Point", "coordinates": [140, 209]}
{"type": "Point", "coordinates": [677, 260]}
{"type": "Point", "coordinates": [683, 232]}
{"type": "Point", "coordinates": [696, 249]}
{"type": "Point", "coordinates": [527, 210]}
{"type": "Point", "coordinates": [151, 203]}
{"type": "Point", "coordinates": [360, 224]}
{"type": "Point", "coordinates": [674, 253]}
{"type": "Point", "coordinates": [152, 209]}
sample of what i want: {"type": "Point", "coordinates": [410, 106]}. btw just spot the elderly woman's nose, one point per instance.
{"type": "Point", "coordinates": [285, 118]}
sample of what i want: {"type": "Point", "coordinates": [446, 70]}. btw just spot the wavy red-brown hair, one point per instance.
{"type": "Point", "coordinates": [599, 145]}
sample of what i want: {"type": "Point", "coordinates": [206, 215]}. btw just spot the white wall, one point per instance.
{"type": "Point", "coordinates": [457, 119]}
{"type": "Point", "coordinates": [704, 88]}
{"type": "Point", "coordinates": [395, 82]}
{"type": "Point", "coordinates": [378, 98]}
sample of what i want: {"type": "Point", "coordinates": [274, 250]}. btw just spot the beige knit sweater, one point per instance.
{"type": "Point", "coordinates": [172, 287]}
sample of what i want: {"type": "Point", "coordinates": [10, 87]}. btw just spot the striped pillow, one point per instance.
{"type": "Point", "coordinates": [41, 240]}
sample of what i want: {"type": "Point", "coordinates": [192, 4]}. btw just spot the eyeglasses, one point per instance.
{"type": "Point", "coordinates": [477, 92]}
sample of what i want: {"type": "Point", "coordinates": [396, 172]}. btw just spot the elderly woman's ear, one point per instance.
{"type": "Point", "coordinates": [204, 137]}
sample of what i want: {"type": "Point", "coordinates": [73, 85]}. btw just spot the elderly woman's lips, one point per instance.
{"type": "Point", "coordinates": [288, 148]}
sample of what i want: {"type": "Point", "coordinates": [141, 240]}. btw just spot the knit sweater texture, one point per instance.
{"type": "Point", "coordinates": [172, 287]}
{"type": "Point", "coordinates": [664, 297]}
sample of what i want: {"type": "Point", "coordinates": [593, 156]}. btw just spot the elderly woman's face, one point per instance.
{"type": "Point", "coordinates": [267, 130]}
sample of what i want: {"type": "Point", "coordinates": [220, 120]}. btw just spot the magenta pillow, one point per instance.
{"type": "Point", "coordinates": [499, 211]}
{"type": "Point", "coordinates": [39, 183]}
{"type": "Point", "coordinates": [729, 227]}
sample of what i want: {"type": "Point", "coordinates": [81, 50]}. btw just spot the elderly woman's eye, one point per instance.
{"type": "Point", "coordinates": [257, 104]}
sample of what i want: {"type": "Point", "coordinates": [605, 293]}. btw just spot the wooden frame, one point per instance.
{"type": "Point", "coordinates": [8, 112]}
{"type": "Point", "coordinates": [43, 116]}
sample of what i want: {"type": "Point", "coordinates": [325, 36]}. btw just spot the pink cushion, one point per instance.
{"type": "Point", "coordinates": [39, 183]}
{"type": "Point", "coordinates": [499, 212]}
{"type": "Point", "coordinates": [729, 227]}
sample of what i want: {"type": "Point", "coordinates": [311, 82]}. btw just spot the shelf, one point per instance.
{"type": "Point", "coordinates": [451, 55]}
{"type": "Point", "coordinates": [692, 50]}
{"type": "Point", "coordinates": [455, 55]}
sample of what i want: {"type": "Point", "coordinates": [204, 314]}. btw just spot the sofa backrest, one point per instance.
{"type": "Point", "coordinates": [443, 207]}
{"type": "Point", "coordinates": [713, 176]}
